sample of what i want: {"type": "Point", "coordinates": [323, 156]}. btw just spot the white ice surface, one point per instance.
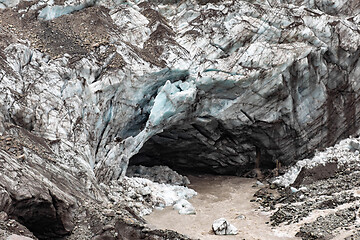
{"type": "Point", "coordinates": [51, 12]}
{"type": "Point", "coordinates": [173, 98]}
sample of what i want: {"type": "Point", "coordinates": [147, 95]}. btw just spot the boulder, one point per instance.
{"type": "Point", "coordinates": [222, 227]}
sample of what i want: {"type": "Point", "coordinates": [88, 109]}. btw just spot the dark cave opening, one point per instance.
{"type": "Point", "coordinates": [209, 147]}
{"type": "Point", "coordinates": [45, 218]}
{"type": "Point", "coordinates": [186, 165]}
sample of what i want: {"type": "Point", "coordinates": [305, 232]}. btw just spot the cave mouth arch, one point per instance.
{"type": "Point", "coordinates": [210, 146]}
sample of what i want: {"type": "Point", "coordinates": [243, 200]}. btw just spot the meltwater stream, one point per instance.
{"type": "Point", "coordinates": [219, 196]}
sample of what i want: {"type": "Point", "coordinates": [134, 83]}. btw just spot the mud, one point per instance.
{"type": "Point", "coordinates": [219, 196]}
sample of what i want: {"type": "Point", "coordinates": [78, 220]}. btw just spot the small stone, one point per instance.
{"type": "Point", "coordinates": [259, 184]}
{"type": "Point", "coordinates": [222, 227]}
{"type": "Point", "coordinates": [109, 213]}
{"type": "Point", "coordinates": [3, 216]}
{"type": "Point", "coordinates": [241, 217]}
{"type": "Point", "coordinates": [21, 157]}
{"type": "Point", "coordinates": [108, 227]}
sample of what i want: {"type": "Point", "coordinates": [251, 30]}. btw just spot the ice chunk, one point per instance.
{"type": "Point", "coordinates": [173, 98]}
{"type": "Point", "coordinates": [8, 3]}
{"type": "Point", "coordinates": [169, 193]}
{"type": "Point", "coordinates": [51, 12]}
{"type": "Point", "coordinates": [184, 207]}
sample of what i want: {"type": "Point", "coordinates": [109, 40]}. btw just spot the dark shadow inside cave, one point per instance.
{"type": "Point", "coordinates": [209, 146]}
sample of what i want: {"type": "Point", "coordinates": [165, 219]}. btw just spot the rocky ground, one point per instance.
{"type": "Point", "coordinates": [323, 201]}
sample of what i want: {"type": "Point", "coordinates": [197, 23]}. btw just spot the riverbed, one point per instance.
{"type": "Point", "coordinates": [219, 196]}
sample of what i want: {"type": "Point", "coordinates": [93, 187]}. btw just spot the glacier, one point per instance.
{"type": "Point", "coordinates": [208, 86]}
{"type": "Point", "coordinates": [219, 91]}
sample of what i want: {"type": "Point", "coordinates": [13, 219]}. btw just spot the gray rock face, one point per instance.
{"type": "Point", "coordinates": [28, 194]}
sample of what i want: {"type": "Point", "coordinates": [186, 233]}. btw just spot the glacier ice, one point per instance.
{"type": "Point", "coordinates": [284, 66]}
{"type": "Point", "coordinates": [173, 98]}
{"type": "Point", "coordinates": [51, 12]}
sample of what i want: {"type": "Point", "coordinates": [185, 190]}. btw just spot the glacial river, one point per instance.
{"type": "Point", "coordinates": [220, 196]}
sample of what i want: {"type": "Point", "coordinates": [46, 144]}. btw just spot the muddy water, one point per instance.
{"type": "Point", "coordinates": [219, 196]}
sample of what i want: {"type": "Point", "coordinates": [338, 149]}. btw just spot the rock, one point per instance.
{"type": "Point", "coordinates": [222, 227]}
{"type": "Point", "coordinates": [46, 201]}
{"type": "Point", "coordinates": [184, 207]}
{"type": "Point", "coordinates": [331, 179]}
{"type": "Point", "coordinates": [354, 145]}
{"type": "Point", "coordinates": [259, 184]}
{"type": "Point", "coordinates": [109, 212]}
{"type": "Point", "coordinates": [241, 217]}
{"type": "Point", "coordinates": [310, 175]}
{"type": "Point", "coordinates": [3, 216]}
{"type": "Point", "coordinates": [323, 226]}
{"type": "Point", "coordinates": [13, 229]}
{"type": "Point", "coordinates": [61, 194]}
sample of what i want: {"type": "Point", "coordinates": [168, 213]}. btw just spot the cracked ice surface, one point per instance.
{"type": "Point", "coordinates": [134, 73]}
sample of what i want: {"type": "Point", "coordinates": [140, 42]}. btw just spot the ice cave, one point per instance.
{"type": "Point", "coordinates": [167, 119]}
